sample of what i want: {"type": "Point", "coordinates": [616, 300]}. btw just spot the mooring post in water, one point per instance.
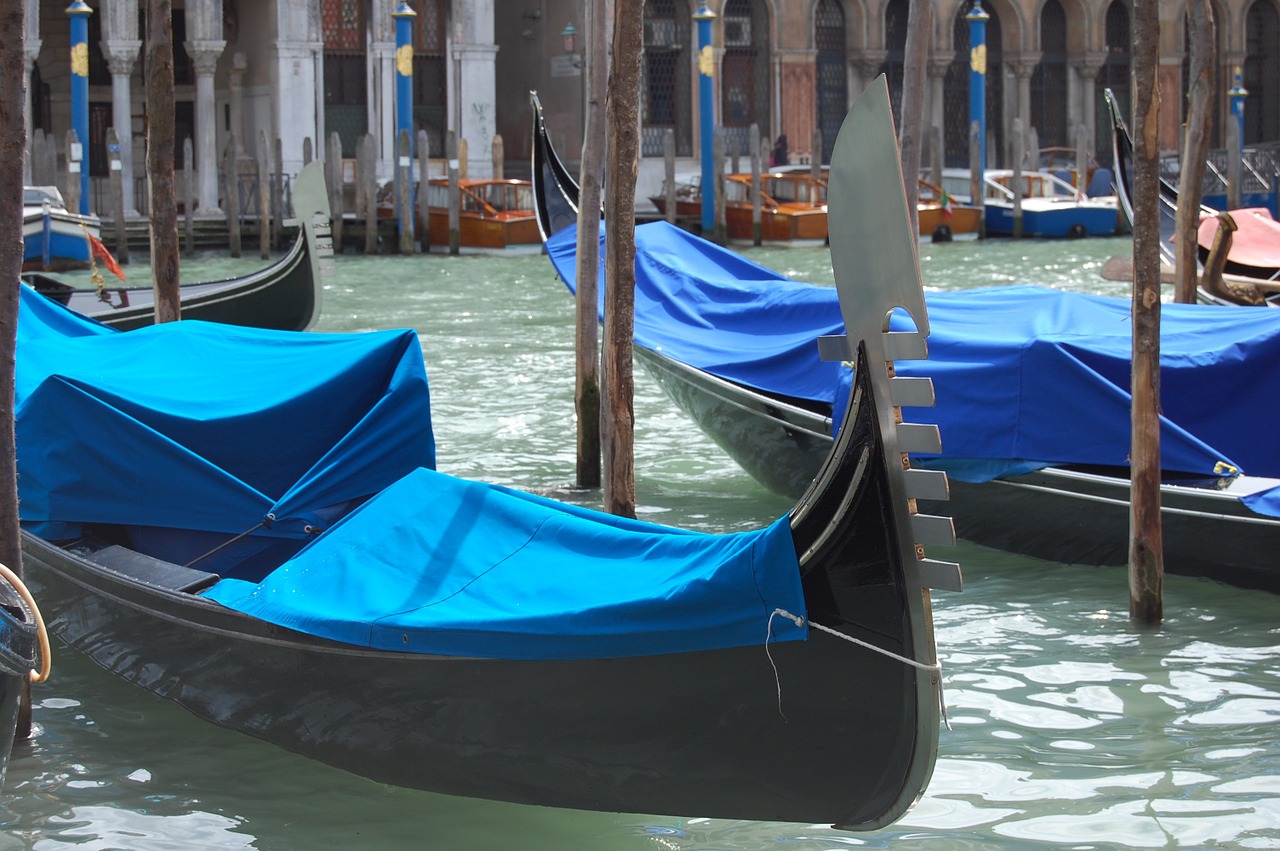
{"type": "Point", "coordinates": [117, 196]}
{"type": "Point", "coordinates": [1146, 547]}
{"type": "Point", "coordinates": [455, 200]}
{"type": "Point", "coordinates": [756, 163]}
{"type": "Point", "coordinates": [231, 194]}
{"type": "Point", "coordinates": [1016, 145]}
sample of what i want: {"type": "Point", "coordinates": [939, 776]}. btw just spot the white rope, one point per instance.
{"type": "Point", "coordinates": [935, 668]}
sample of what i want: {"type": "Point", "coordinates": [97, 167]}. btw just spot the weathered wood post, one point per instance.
{"type": "Point", "coordinates": [756, 165]}
{"type": "Point", "coordinates": [1234, 166]}
{"type": "Point", "coordinates": [721, 235]}
{"type": "Point", "coordinates": [75, 153]}
{"type": "Point", "coordinates": [116, 166]}
{"type": "Point", "coordinates": [1016, 155]}
{"type": "Point", "coordinates": [1146, 547]}
{"type": "Point", "coordinates": [620, 275]}
{"type": "Point", "coordinates": [1082, 158]}
{"type": "Point", "coordinates": [935, 156]}
{"type": "Point", "coordinates": [188, 194]}
{"type": "Point", "coordinates": [455, 202]}
{"type": "Point", "coordinates": [976, 185]}
{"type": "Point", "coordinates": [733, 157]}
{"type": "Point", "coordinates": [337, 189]}
{"type": "Point", "coordinates": [277, 195]}
{"type": "Point", "coordinates": [1195, 146]}
{"type": "Point", "coordinates": [367, 175]}
{"type": "Point", "coordinates": [163, 213]}
{"type": "Point", "coordinates": [464, 159]}
{"type": "Point", "coordinates": [669, 170]}
{"type": "Point", "coordinates": [231, 194]}
{"type": "Point", "coordinates": [586, 391]}
{"type": "Point", "coordinates": [815, 157]}
{"type": "Point", "coordinates": [264, 197]}
{"type": "Point", "coordinates": [499, 156]}
{"type": "Point", "coordinates": [422, 200]}
{"type": "Point", "coordinates": [914, 81]}
{"type": "Point", "coordinates": [404, 191]}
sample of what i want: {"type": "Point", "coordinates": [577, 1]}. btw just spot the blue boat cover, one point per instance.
{"type": "Point", "coordinates": [196, 426]}
{"type": "Point", "coordinates": [193, 425]}
{"type": "Point", "coordinates": [1025, 377]}
{"type": "Point", "coordinates": [470, 569]}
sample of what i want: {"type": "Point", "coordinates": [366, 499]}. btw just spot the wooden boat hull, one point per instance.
{"type": "Point", "coordinates": [938, 226]}
{"type": "Point", "coordinates": [285, 295]}
{"type": "Point", "coordinates": [1053, 218]}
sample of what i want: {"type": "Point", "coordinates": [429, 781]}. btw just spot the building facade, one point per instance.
{"type": "Point", "coordinates": [301, 70]}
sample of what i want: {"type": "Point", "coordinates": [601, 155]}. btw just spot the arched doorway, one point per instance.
{"type": "Point", "coordinates": [343, 30]}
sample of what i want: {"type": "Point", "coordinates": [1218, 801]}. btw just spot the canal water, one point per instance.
{"type": "Point", "coordinates": [1069, 728]}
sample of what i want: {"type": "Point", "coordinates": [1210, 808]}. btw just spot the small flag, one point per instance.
{"type": "Point", "coordinates": [100, 252]}
{"type": "Point", "coordinates": [946, 203]}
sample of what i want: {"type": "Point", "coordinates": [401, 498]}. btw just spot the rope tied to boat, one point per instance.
{"type": "Point", "coordinates": [935, 669]}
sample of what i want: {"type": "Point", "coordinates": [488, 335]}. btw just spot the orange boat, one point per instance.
{"type": "Point", "coordinates": [941, 218]}
{"type": "Point", "coordinates": [793, 206]}
{"type": "Point", "coordinates": [493, 214]}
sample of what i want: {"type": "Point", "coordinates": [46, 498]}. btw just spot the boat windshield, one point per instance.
{"type": "Point", "coordinates": [509, 197]}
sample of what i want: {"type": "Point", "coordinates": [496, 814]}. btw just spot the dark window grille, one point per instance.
{"type": "Point", "coordinates": [832, 80]}
{"type": "Point", "coordinates": [668, 78]}
{"type": "Point", "coordinates": [1049, 80]}
{"type": "Point", "coordinates": [744, 71]}
{"type": "Point", "coordinates": [956, 92]}
{"type": "Point", "coordinates": [342, 24]}
{"type": "Point", "coordinates": [1262, 74]}
{"type": "Point", "coordinates": [430, 94]}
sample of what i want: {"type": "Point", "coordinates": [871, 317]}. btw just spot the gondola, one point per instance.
{"type": "Point", "coordinates": [1033, 396]}
{"type": "Point", "coordinates": [283, 296]}
{"type": "Point", "coordinates": [251, 528]}
{"type": "Point", "coordinates": [1245, 280]}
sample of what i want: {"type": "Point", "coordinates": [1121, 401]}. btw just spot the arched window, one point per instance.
{"type": "Point", "coordinates": [1049, 80]}
{"type": "Point", "coordinates": [1114, 74]}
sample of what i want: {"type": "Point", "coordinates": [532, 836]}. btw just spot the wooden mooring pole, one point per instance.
{"type": "Point", "coordinates": [1146, 548]}
{"type": "Point", "coordinates": [1195, 146]}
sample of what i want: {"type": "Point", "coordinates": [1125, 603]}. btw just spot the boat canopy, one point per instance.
{"type": "Point", "coordinates": [195, 426]}
{"type": "Point", "coordinates": [200, 426]}
{"type": "Point", "coordinates": [1025, 377]}
{"type": "Point", "coordinates": [437, 564]}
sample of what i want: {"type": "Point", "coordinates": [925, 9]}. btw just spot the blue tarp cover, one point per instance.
{"type": "Point", "coordinates": [1025, 376]}
{"type": "Point", "coordinates": [436, 564]}
{"type": "Point", "coordinates": [196, 426]}
{"type": "Point", "coordinates": [193, 425]}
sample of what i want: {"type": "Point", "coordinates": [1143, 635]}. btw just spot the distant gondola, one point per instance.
{"type": "Point", "coordinates": [284, 296]}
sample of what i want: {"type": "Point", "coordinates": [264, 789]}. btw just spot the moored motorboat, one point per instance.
{"type": "Point", "coordinates": [295, 570]}
{"type": "Point", "coordinates": [285, 295]}
{"type": "Point", "coordinates": [1035, 403]}
{"type": "Point", "coordinates": [54, 238]}
{"type": "Point", "coordinates": [493, 214]}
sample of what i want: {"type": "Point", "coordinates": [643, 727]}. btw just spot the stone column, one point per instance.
{"type": "Point", "coordinates": [1024, 66]}
{"type": "Point", "coordinates": [235, 100]}
{"type": "Point", "coordinates": [866, 66]}
{"type": "Point", "coordinates": [1087, 69]}
{"type": "Point", "coordinates": [204, 56]}
{"type": "Point", "coordinates": [935, 103]}
{"type": "Point", "coordinates": [121, 56]}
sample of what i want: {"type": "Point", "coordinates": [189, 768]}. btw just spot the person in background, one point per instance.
{"type": "Point", "coordinates": [779, 155]}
